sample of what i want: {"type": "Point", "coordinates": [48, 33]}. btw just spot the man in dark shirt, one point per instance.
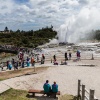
{"type": "Point", "coordinates": [47, 88]}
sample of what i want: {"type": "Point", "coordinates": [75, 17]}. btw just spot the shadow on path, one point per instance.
{"type": "Point", "coordinates": [41, 97]}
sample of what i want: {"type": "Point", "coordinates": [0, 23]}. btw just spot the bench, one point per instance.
{"type": "Point", "coordinates": [33, 91]}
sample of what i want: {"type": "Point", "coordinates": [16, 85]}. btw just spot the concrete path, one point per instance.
{"type": "Point", "coordinates": [3, 87]}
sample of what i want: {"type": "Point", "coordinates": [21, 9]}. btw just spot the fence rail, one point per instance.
{"type": "Point", "coordinates": [82, 92]}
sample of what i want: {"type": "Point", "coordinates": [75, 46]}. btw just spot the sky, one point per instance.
{"type": "Point", "coordinates": [35, 14]}
{"type": "Point", "coordinates": [74, 17]}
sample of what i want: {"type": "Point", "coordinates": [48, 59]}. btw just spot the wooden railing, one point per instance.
{"type": "Point", "coordinates": [84, 94]}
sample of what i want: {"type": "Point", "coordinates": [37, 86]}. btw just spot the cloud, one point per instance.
{"type": "Point", "coordinates": [83, 2]}
{"type": "Point", "coordinates": [25, 11]}
{"type": "Point", "coordinates": [79, 16]}
{"type": "Point", "coordinates": [6, 6]}
{"type": "Point", "coordinates": [77, 26]}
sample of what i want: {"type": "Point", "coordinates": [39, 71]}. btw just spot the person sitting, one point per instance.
{"type": "Point", "coordinates": [47, 88]}
{"type": "Point", "coordinates": [55, 62]}
{"type": "Point", "coordinates": [54, 89]}
{"type": "Point", "coordinates": [63, 63]}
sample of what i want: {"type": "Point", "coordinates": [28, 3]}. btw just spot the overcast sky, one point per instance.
{"type": "Point", "coordinates": [79, 15]}
{"type": "Point", "coordinates": [35, 14]}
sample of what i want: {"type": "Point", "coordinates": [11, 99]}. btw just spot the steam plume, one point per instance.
{"type": "Point", "coordinates": [87, 19]}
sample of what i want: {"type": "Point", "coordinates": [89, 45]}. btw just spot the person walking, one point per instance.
{"type": "Point", "coordinates": [32, 61]}
{"type": "Point", "coordinates": [78, 55]}
{"type": "Point", "coordinates": [42, 59]}
{"type": "Point", "coordinates": [54, 57]}
{"type": "Point", "coordinates": [70, 55]}
{"type": "Point", "coordinates": [66, 58]}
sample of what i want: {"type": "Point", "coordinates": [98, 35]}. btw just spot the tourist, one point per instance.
{"type": "Point", "coordinates": [42, 59]}
{"type": "Point", "coordinates": [54, 89]}
{"type": "Point", "coordinates": [54, 57]}
{"type": "Point", "coordinates": [47, 88]}
{"type": "Point", "coordinates": [55, 62]}
{"type": "Point", "coordinates": [37, 57]}
{"type": "Point", "coordinates": [32, 61]}
{"type": "Point", "coordinates": [23, 64]}
{"type": "Point", "coordinates": [70, 55]}
{"type": "Point", "coordinates": [19, 63]}
{"type": "Point", "coordinates": [13, 61]}
{"type": "Point", "coordinates": [66, 58]}
{"type": "Point", "coordinates": [63, 63]}
{"type": "Point", "coordinates": [28, 61]}
{"type": "Point", "coordinates": [78, 55]}
{"type": "Point", "coordinates": [15, 66]}
{"type": "Point", "coordinates": [9, 66]}
{"type": "Point", "coordinates": [21, 56]}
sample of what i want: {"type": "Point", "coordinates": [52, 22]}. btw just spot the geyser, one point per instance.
{"type": "Point", "coordinates": [77, 26]}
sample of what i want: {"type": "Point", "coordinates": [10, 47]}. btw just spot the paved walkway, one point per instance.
{"type": "Point", "coordinates": [3, 87]}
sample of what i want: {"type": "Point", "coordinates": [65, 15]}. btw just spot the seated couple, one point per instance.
{"type": "Point", "coordinates": [50, 89]}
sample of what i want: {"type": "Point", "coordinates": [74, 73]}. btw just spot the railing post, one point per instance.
{"type": "Point", "coordinates": [83, 92]}
{"type": "Point", "coordinates": [91, 97]}
{"type": "Point", "coordinates": [78, 93]}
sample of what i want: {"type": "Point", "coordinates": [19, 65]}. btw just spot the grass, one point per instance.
{"type": "Point", "coordinates": [67, 97]}
{"type": "Point", "coordinates": [13, 94]}
{"type": "Point", "coordinates": [20, 72]}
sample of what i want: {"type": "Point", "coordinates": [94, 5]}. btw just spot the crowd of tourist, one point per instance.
{"type": "Point", "coordinates": [33, 58]}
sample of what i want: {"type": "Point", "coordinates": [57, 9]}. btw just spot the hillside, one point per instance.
{"type": "Point", "coordinates": [28, 38]}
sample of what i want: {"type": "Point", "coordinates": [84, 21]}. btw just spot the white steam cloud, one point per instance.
{"type": "Point", "coordinates": [77, 26]}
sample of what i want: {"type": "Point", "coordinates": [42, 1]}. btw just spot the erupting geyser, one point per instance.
{"type": "Point", "coordinates": [79, 25]}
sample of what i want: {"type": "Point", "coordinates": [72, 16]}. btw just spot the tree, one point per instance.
{"type": "Point", "coordinates": [18, 31]}
{"type": "Point", "coordinates": [51, 27]}
{"type": "Point", "coordinates": [6, 29]}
